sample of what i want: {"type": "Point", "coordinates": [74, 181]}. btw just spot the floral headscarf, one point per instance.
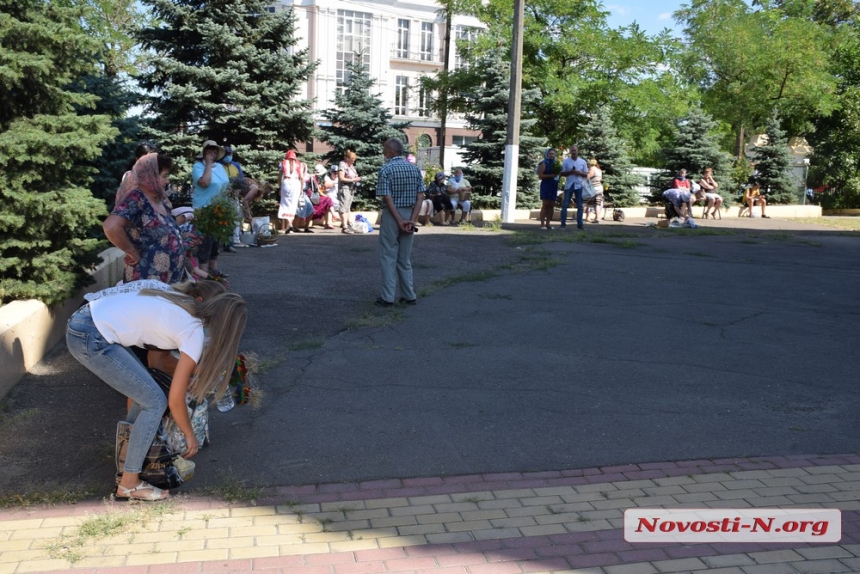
{"type": "Point", "coordinates": [143, 176]}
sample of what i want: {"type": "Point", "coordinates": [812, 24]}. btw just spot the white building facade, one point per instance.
{"type": "Point", "coordinates": [400, 42]}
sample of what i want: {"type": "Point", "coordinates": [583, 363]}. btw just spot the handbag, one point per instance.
{"type": "Point", "coordinates": [315, 191]}
{"type": "Point", "coordinates": [198, 414]}
{"type": "Point", "coordinates": [587, 190]}
{"type": "Point", "coordinates": [158, 468]}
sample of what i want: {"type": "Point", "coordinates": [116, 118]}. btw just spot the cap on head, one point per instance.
{"type": "Point", "coordinates": [440, 175]}
{"type": "Point", "coordinates": [334, 167]}
{"type": "Point", "coordinates": [592, 161]}
{"type": "Point", "coordinates": [319, 169]}
{"type": "Point", "coordinates": [291, 154]}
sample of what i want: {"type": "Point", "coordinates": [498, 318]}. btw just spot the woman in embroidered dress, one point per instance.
{"type": "Point", "coordinates": [141, 225]}
{"type": "Point", "coordinates": [291, 181]}
{"type": "Point", "coordinates": [595, 176]}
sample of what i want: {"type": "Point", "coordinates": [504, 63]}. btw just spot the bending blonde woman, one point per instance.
{"type": "Point", "coordinates": [99, 332]}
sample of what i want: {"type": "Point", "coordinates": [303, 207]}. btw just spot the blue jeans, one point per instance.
{"type": "Point", "coordinates": [119, 368]}
{"type": "Point", "coordinates": [577, 191]}
{"type": "Point", "coordinates": [395, 253]}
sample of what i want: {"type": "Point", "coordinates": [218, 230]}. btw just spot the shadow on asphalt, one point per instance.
{"type": "Point", "coordinates": [529, 350]}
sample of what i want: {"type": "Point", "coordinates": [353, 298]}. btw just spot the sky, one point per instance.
{"type": "Point", "coordinates": [651, 15]}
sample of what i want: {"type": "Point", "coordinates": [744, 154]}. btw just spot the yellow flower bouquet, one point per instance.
{"type": "Point", "coordinates": [218, 220]}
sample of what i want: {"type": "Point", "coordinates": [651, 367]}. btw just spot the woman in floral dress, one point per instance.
{"type": "Point", "coordinates": [142, 227]}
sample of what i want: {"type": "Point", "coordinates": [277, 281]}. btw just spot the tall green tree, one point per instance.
{"type": "Point", "coordinates": [772, 163]}
{"type": "Point", "coordinates": [835, 165]}
{"type": "Point", "coordinates": [695, 146]}
{"type": "Point", "coordinates": [488, 113]}
{"type": "Point", "coordinates": [749, 62]}
{"type": "Point", "coordinates": [578, 64]}
{"type": "Point", "coordinates": [229, 71]}
{"type": "Point", "coordinates": [359, 122]}
{"type": "Point", "coordinates": [47, 215]}
{"type": "Point", "coordinates": [602, 142]}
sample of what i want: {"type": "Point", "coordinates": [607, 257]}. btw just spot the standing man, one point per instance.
{"type": "Point", "coordinates": [460, 193]}
{"type": "Point", "coordinates": [401, 188]}
{"type": "Point", "coordinates": [575, 170]}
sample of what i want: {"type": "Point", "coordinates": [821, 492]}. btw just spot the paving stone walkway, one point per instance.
{"type": "Point", "coordinates": [560, 521]}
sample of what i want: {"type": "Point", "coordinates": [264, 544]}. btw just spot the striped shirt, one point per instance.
{"type": "Point", "coordinates": [401, 180]}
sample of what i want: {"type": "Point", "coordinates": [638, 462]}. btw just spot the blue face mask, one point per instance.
{"type": "Point", "coordinates": [682, 177]}
{"type": "Point", "coordinates": [457, 178]}
{"type": "Point", "coordinates": [227, 159]}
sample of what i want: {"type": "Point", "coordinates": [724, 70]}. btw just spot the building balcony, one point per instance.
{"type": "Point", "coordinates": [414, 57]}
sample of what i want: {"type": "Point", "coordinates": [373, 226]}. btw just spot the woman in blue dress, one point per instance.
{"type": "Point", "coordinates": [142, 227]}
{"type": "Point", "coordinates": [548, 188]}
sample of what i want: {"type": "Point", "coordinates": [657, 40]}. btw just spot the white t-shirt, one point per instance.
{"type": "Point", "coordinates": [131, 319]}
{"type": "Point", "coordinates": [578, 165]}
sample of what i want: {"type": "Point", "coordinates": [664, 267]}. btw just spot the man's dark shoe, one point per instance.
{"type": "Point", "coordinates": [404, 301]}
{"type": "Point", "coordinates": [380, 302]}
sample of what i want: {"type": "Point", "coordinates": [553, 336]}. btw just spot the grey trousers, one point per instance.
{"type": "Point", "coordinates": [395, 252]}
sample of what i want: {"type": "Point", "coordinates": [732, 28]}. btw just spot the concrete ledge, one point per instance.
{"type": "Point", "coordinates": [477, 215]}
{"type": "Point", "coordinates": [29, 329]}
{"type": "Point", "coordinates": [778, 211]}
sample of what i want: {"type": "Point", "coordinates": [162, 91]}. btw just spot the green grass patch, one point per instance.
{"type": "Point", "coordinates": [462, 345]}
{"type": "Point", "coordinates": [473, 277]}
{"type": "Point", "coordinates": [781, 236]}
{"type": "Point", "coordinates": [750, 241]}
{"type": "Point", "coordinates": [83, 542]}
{"type": "Point", "coordinates": [835, 222]}
{"type": "Point", "coordinates": [308, 345]}
{"type": "Point", "coordinates": [699, 254]}
{"type": "Point", "coordinates": [361, 249]}
{"type": "Point", "coordinates": [698, 232]}
{"type": "Point", "coordinates": [49, 498]}
{"type": "Point", "coordinates": [493, 226]}
{"type": "Point", "coordinates": [7, 421]}
{"type": "Point", "coordinates": [390, 316]}
{"type": "Point", "coordinates": [233, 490]}
{"type": "Point", "coordinates": [810, 243]}
{"type": "Point", "coordinates": [624, 244]}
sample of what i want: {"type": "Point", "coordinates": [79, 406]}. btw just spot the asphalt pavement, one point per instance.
{"type": "Point", "coordinates": [528, 351]}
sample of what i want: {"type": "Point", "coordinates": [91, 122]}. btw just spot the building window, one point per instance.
{"type": "Point", "coordinates": [463, 34]}
{"type": "Point", "coordinates": [425, 102]}
{"type": "Point", "coordinates": [462, 141]}
{"type": "Point", "coordinates": [401, 96]}
{"type": "Point", "coordinates": [353, 40]}
{"type": "Point", "coordinates": [402, 38]}
{"type": "Point", "coordinates": [424, 141]}
{"type": "Point", "coordinates": [270, 9]}
{"type": "Point", "coordinates": [427, 41]}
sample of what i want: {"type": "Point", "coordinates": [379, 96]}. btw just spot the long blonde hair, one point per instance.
{"type": "Point", "coordinates": [225, 315]}
{"type": "Point", "coordinates": [200, 289]}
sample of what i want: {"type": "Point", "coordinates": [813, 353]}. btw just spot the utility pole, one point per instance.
{"type": "Point", "coordinates": [443, 92]}
{"type": "Point", "coordinates": [512, 143]}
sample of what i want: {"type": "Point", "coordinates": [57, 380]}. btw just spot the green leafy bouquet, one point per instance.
{"type": "Point", "coordinates": [218, 219]}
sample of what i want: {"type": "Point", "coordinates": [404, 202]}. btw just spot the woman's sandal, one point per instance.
{"type": "Point", "coordinates": [154, 495]}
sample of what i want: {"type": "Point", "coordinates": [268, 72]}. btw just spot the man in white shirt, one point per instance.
{"type": "Point", "coordinates": [575, 170]}
{"type": "Point", "coordinates": [460, 193]}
